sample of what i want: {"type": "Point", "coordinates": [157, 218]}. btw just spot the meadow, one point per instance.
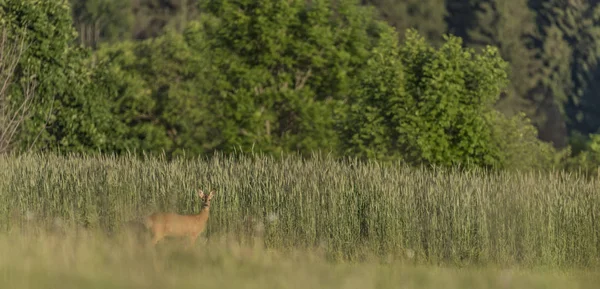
{"type": "Point", "coordinates": [289, 222]}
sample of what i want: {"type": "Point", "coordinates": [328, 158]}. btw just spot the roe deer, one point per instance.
{"type": "Point", "coordinates": [171, 224]}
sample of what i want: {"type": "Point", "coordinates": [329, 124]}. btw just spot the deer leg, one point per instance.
{"type": "Point", "coordinates": [156, 237]}
{"type": "Point", "coordinates": [192, 240]}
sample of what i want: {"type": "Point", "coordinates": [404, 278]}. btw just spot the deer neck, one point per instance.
{"type": "Point", "coordinates": [204, 211]}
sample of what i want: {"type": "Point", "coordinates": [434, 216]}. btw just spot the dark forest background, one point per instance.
{"type": "Point", "coordinates": [501, 84]}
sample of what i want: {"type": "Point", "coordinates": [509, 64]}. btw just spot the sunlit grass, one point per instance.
{"type": "Point", "coordinates": [92, 260]}
{"type": "Point", "coordinates": [348, 210]}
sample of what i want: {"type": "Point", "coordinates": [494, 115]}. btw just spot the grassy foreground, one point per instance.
{"type": "Point", "coordinates": [88, 260]}
{"type": "Point", "coordinates": [348, 210]}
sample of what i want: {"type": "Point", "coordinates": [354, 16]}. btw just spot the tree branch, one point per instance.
{"type": "Point", "coordinates": [12, 115]}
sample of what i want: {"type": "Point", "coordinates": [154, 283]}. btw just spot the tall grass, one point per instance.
{"type": "Point", "coordinates": [348, 209]}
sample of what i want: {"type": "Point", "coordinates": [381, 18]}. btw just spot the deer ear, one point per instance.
{"type": "Point", "coordinates": [211, 194]}
{"type": "Point", "coordinates": [200, 194]}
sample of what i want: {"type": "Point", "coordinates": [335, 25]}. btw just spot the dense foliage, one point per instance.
{"type": "Point", "coordinates": [70, 111]}
{"type": "Point", "coordinates": [193, 77]}
{"type": "Point", "coordinates": [426, 105]}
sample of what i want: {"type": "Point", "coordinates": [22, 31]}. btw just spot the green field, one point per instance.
{"type": "Point", "coordinates": [290, 223]}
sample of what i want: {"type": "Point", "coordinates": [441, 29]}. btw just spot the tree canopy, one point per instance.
{"type": "Point", "coordinates": [424, 82]}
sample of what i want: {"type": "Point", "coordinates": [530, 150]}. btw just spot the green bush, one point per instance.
{"type": "Point", "coordinates": [426, 105]}
{"type": "Point", "coordinates": [516, 141]}
{"type": "Point", "coordinates": [587, 157]}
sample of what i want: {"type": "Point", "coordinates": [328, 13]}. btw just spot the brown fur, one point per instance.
{"type": "Point", "coordinates": [174, 225]}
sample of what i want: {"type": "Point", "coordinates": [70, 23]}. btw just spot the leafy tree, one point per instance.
{"type": "Point", "coordinates": [518, 146]}
{"type": "Point", "coordinates": [156, 86]}
{"type": "Point", "coordinates": [153, 17]}
{"type": "Point", "coordinates": [588, 158]}
{"type": "Point", "coordinates": [269, 79]}
{"type": "Point", "coordinates": [102, 20]}
{"type": "Point", "coordinates": [539, 62]}
{"type": "Point", "coordinates": [580, 24]}
{"type": "Point", "coordinates": [99, 21]}
{"type": "Point", "coordinates": [68, 114]}
{"type": "Point", "coordinates": [369, 130]}
{"type": "Point", "coordinates": [13, 114]}
{"type": "Point", "coordinates": [570, 35]}
{"type": "Point", "coordinates": [553, 87]}
{"type": "Point", "coordinates": [426, 105]}
{"type": "Point", "coordinates": [281, 70]}
{"type": "Point", "coordinates": [460, 17]}
{"type": "Point", "coordinates": [426, 16]}
{"type": "Point", "coordinates": [510, 26]}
